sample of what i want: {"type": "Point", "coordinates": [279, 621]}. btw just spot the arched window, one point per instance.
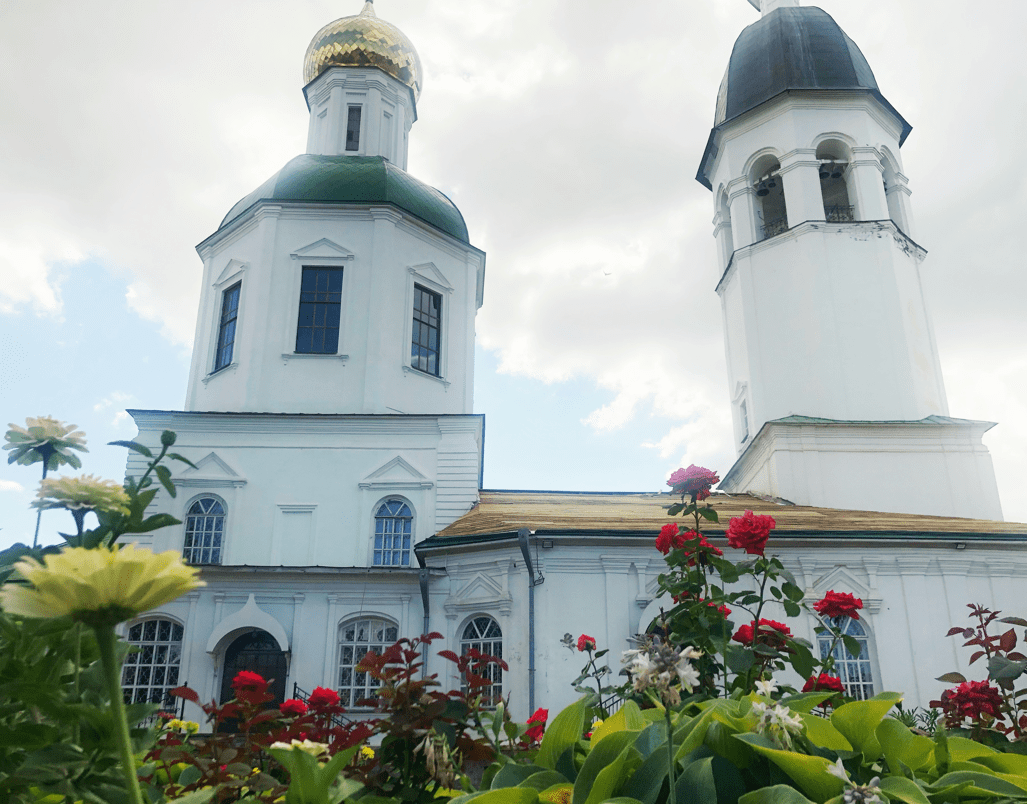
{"type": "Point", "coordinates": [834, 161]}
{"type": "Point", "coordinates": [854, 670]}
{"type": "Point", "coordinates": [153, 670]}
{"type": "Point", "coordinates": [204, 531]}
{"type": "Point", "coordinates": [771, 211]}
{"type": "Point", "coordinates": [356, 638]}
{"type": "Point", "coordinates": [484, 635]}
{"type": "Point", "coordinates": [393, 529]}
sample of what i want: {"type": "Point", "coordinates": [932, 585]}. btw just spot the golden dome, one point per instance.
{"type": "Point", "coordinates": [364, 41]}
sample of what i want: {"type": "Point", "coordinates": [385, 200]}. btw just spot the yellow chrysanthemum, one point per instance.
{"type": "Point", "coordinates": [84, 492]}
{"type": "Point", "coordinates": [366, 752]}
{"type": "Point", "coordinates": [99, 587]}
{"type": "Point", "coordinates": [45, 438]}
{"type": "Point", "coordinates": [306, 746]}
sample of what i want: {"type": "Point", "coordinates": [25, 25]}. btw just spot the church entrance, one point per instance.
{"type": "Point", "coordinates": [258, 652]}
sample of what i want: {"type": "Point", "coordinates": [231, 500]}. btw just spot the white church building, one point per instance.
{"type": "Point", "coordinates": [337, 499]}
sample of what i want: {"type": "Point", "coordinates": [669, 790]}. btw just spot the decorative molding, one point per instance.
{"type": "Point", "coordinates": [408, 477]}
{"type": "Point", "coordinates": [287, 356]}
{"type": "Point", "coordinates": [430, 273]}
{"type": "Point", "coordinates": [419, 373]}
{"type": "Point", "coordinates": [249, 617]}
{"type": "Point", "coordinates": [211, 471]}
{"type": "Point", "coordinates": [322, 252]}
{"type": "Point", "coordinates": [229, 369]}
{"type": "Point", "coordinates": [233, 269]}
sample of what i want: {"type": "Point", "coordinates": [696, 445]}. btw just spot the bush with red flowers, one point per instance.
{"type": "Point", "coordinates": [293, 707]}
{"type": "Point", "coordinates": [771, 633]}
{"type": "Point", "coordinates": [695, 481]}
{"type": "Point", "coordinates": [750, 532]}
{"type": "Point", "coordinates": [668, 538]}
{"type": "Point", "coordinates": [823, 683]}
{"type": "Point", "coordinates": [536, 726]}
{"type": "Point", "coordinates": [839, 604]}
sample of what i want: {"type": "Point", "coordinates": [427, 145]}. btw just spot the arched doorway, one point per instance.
{"type": "Point", "coordinates": [258, 652]}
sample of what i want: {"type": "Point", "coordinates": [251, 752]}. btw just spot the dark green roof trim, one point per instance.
{"type": "Point", "coordinates": [779, 536]}
{"type": "Point", "coordinates": [362, 180]}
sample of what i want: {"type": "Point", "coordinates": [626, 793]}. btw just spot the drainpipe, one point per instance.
{"type": "Point", "coordinates": [422, 580]}
{"type": "Point", "coordinates": [522, 539]}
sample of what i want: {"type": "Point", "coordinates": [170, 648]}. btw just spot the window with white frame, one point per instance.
{"type": "Point", "coordinates": [484, 635]}
{"type": "Point", "coordinates": [227, 326]}
{"type": "Point", "coordinates": [152, 671]}
{"type": "Point", "coordinates": [854, 670]}
{"type": "Point", "coordinates": [204, 531]}
{"type": "Point", "coordinates": [356, 638]}
{"type": "Point", "coordinates": [393, 534]}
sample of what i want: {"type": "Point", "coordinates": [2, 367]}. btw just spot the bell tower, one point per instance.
{"type": "Point", "coordinates": [831, 355]}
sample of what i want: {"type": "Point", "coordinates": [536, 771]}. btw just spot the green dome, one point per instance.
{"type": "Point", "coordinates": [316, 179]}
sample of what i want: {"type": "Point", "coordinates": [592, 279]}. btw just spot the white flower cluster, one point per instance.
{"type": "Point", "coordinates": [657, 667]}
{"type": "Point", "coordinates": [777, 722]}
{"type": "Point", "coordinates": [855, 794]}
{"type": "Point", "coordinates": [306, 746]}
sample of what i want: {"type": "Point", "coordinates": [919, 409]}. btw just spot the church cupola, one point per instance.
{"type": "Point", "coordinates": [825, 318]}
{"type": "Point", "coordinates": [342, 284]}
{"type": "Point", "coordinates": [362, 79]}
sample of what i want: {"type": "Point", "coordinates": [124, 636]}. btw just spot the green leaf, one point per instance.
{"type": "Point", "coordinates": [899, 788]}
{"type": "Point", "coordinates": [132, 445]}
{"type": "Point", "coordinates": [507, 795]}
{"type": "Point", "coordinates": [810, 773]}
{"type": "Point", "coordinates": [961, 749]}
{"type": "Point", "coordinates": [952, 678]}
{"type": "Point", "coordinates": [697, 778]}
{"type": "Point", "coordinates": [739, 659]}
{"type": "Point", "coordinates": [805, 702]}
{"type": "Point", "coordinates": [675, 509]}
{"type": "Point", "coordinates": [164, 475]}
{"type": "Point", "coordinates": [778, 794]}
{"type": "Point", "coordinates": [982, 783]}
{"type": "Point", "coordinates": [899, 744]}
{"type": "Point", "coordinates": [792, 609]}
{"type": "Point", "coordinates": [512, 774]}
{"type": "Point", "coordinates": [859, 720]}
{"type": "Point", "coordinates": [794, 592]}
{"type": "Point", "coordinates": [821, 733]}
{"type": "Point", "coordinates": [627, 718]}
{"type": "Point", "coordinates": [542, 780]}
{"type": "Point", "coordinates": [174, 456]}
{"type": "Point", "coordinates": [852, 645]}
{"type": "Point", "coordinates": [197, 797]}
{"type": "Point", "coordinates": [608, 754]}
{"type": "Point", "coordinates": [709, 514]}
{"type": "Point", "coordinates": [1000, 668]}
{"type": "Point", "coordinates": [189, 776]}
{"type": "Point", "coordinates": [647, 781]}
{"type": "Point", "coordinates": [563, 733]}
{"type": "Point", "coordinates": [1014, 621]}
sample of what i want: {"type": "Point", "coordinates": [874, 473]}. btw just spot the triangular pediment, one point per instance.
{"type": "Point", "coordinates": [480, 587]}
{"type": "Point", "coordinates": [230, 271]}
{"type": "Point", "coordinates": [323, 249]}
{"type": "Point", "coordinates": [397, 473]}
{"type": "Point", "coordinates": [430, 272]}
{"type": "Point", "coordinates": [211, 470]}
{"type": "Point", "coordinates": [841, 579]}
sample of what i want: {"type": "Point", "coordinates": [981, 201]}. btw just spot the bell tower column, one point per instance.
{"type": "Point", "coordinates": [869, 183]}
{"type": "Point", "coordinates": [800, 173]}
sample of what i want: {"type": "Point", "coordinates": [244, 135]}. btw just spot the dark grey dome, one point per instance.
{"type": "Point", "coordinates": [798, 48]}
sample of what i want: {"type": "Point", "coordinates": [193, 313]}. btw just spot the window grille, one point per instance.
{"type": "Point", "coordinates": [204, 532]}
{"type": "Point", "coordinates": [853, 670]}
{"type": "Point", "coordinates": [393, 533]}
{"type": "Point", "coordinates": [484, 635]}
{"type": "Point", "coordinates": [320, 311]}
{"type": "Point", "coordinates": [152, 672]}
{"type": "Point", "coordinates": [424, 347]}
{"type": "Point", "coordinates": [226, 329]}
{"type": "Point", "coordinates": [356, 638]}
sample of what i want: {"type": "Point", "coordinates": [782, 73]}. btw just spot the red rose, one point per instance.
{"type": "Point", "coordinates": [534, 733]}
{"type": "Point", "coordinates": [293, 707]}
{"type": "Point", "coordinates": [771, 633]}
{"type": "Point", "coordinates": [665, 542]}
{"type": "Point", "coordinates": [695, 480]}
{"type": "Point", "coordinates": [823, 683]}
{"type": "Point", "coordinates": [971, 699]}
{"type": "Point", "coordinates": [322, 698]}
{"type": "Point", "coordinates": [585, 642]}
{"type": "Point", "coordinates": [750, 532]}
{"type": "Point", "coordinates": [246, 679]}
{"type": "Point", "coordinates": [695, 545]}
{"type": "Point", "coordinates": [839, 604]}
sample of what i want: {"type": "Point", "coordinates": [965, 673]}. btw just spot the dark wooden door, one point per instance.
{"type": "Point", "coordinates": [257, 652]}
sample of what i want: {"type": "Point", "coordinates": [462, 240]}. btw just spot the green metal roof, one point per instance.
{"type": "Point", "coordinates": [312, 178]}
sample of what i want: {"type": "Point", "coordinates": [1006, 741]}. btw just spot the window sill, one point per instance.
{"type": "Point", "coordinates": [287, 356]}
{"type": "Point", "coordinates": [426, 375]}
{"type": "Point", "coordinates": [230, 368]}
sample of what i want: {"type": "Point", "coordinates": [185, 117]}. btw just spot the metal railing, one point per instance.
{"type": "Point", "coordinates": [774, 227]}
{"type": "Point", "coordinates": [839, 213]}
{"type": "Point", "coordinates": [169, 703]}
{"type": "Point", "coordinates": [301, 694]}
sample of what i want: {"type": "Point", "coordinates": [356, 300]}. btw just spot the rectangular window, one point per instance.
{"type": "Point", "coordinates": [226, 329]}
{"type": "Point", "coordinates": [320, 310]}
{"type": "Point", "coordinates": [424, 347]}
{"type": "Point", "coordinates": [353, 129]}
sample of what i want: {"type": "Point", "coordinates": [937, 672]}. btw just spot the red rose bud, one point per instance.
{"type": "Point", "coordinates": [585, 642]}
{"type": "Point", "coordinates": [322, 698]}
{"type": "Point", "coordinates": [293, 707]}
{"type": "Point", "coordinates": [823, 683]}
{"type": "Point", "coordinates": [695, 480]}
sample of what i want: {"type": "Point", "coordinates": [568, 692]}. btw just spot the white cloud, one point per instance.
{"type": "Point", "coordinates": [11, 485]}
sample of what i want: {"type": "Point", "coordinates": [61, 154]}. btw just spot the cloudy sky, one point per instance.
{"type": "Point", "coordinates": [567, 131]}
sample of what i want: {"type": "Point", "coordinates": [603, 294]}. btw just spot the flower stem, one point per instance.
{"type": "Point", "coordinates": [670, 754]}
{"type": "Point", "coordinates": [106, 642]}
